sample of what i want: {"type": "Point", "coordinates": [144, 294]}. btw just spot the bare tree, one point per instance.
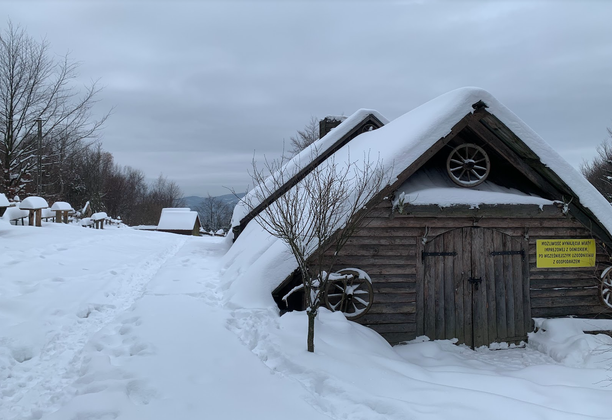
{"type": "Point", "coordinates": [305, 137]}
{"type": "Point", "coordinates": [321, 211]}
{"type": "Point", "coordinates": [214, 213]}
{"type": "Point", "coordinates": [599, 170]}
{"type": "Point", "coordinates": [36, 87]}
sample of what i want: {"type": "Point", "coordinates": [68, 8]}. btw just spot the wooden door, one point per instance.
{"type": "Point", "coordinates": [475, 287]}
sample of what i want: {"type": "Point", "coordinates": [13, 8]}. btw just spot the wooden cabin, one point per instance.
{"type": "Point", "coordinates": [484, 228]}
{"type": "Point", "coordinates": [182, 221]}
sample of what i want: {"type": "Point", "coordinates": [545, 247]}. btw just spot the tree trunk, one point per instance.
{"type": "Point", "coordinates": [312, 314]}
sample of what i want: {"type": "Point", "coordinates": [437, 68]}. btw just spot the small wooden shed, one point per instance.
{"type": "Point", "coordinates": [483, 228]}
{"type": "Point", "coordinates": [182, 221]}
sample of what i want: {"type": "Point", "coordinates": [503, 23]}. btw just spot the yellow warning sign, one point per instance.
{"type": "Point", "coordinates": [552, 253]}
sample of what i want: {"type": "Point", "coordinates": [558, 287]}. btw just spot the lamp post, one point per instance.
{"type": "Point", "coordinates": [39, 166]}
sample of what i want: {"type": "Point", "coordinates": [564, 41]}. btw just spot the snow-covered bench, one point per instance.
{"type": "Point", "coordinates": [47, 214]}
{"type": "Point", "coordinates": [34, 205]}
{"type": "Point", "coordinates": [13, 214]}
{"type": "Point", "coordinates": [4, 204]}
{"type": "Point", "coordinates": [98, 219]}
{"type": "Point", "coordinates": [61, 209]}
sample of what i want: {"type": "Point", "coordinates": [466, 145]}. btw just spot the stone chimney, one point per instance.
{"type": "Point", "coordinates": [328, 123]}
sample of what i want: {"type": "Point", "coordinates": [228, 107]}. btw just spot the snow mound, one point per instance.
{"type": "Point", "coordinates": [565, 341]}
{"type": "Point", "coordinates": [33, 203]}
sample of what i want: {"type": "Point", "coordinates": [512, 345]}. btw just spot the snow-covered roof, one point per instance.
{"type": "Point", "coordinates": [306, 156]}
{"type": "Point", "coordinates": [4, 201]}
{"type": "Point", "coordinates": [33, 203]}
{"type": "Point", "coordinates": [61, 205]}
{"type": "Point", "coordinates": [399, 144]}
{"type": "Point", "coordinates": [177, 219]}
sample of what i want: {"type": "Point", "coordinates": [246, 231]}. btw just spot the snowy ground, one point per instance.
{"type": "Point", "coordinates": [126, 324]}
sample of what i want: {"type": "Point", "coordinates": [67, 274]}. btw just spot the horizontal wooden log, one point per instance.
{"type": "Point", "coordinates": [372, 319]}
{"type": "Point", "coordinates": [570, 301]}
{"type": "Point", "coordinates": [376, 240]}
{"type": "Point", "coordinates": [361, 261]}
{"type": "Point", "coordinates": [542, 225]}
{"type": "Point", "coordinates": [395, 288]}
{"type": "Point", "coordinates": [483, 210]}
{"type": "Point", "coordinates": [394, 328]}
{"type": "Point", "coordinates": [588, 311]}
{"type": "Point", "coordinates": [552, 274]}
{"type": "Point", "coordinates": [379, 232]}
{"type": "Point", "coordinates": [563, 283]}
{"type": "Point", "coordinates": [385, 298]}
{"type": "Point", "coordinates": [563, 292]}
{"type": "Point", "coordinates": [395, 278]}
{"type": "Point", "coordinates": [378, 250]}
{"type": "Point", "coordinates": [375, 270]}
{"type": "Point", "coordinates": [392, 308]}
{"type": "Point", "coordinates": [396, 338]}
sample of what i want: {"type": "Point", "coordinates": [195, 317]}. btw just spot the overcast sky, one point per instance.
{"type": "Point", "coordinates": [198, 87]}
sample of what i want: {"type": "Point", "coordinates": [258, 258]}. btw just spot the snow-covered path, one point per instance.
{"type": "Point", "coordinates": [54, 305]}
{"type": "Point", "coordinates": [171, 356]}
{"type": "Point", "coordinates": [122, 324]}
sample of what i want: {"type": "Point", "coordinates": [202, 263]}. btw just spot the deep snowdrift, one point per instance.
{"type": "Point", "coordinates": [126, 324]}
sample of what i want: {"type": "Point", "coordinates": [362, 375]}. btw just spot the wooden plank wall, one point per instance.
{"type": "Point", "coordinates": [389, 249]}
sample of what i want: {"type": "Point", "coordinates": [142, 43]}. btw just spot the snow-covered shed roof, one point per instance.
{"type": "Point", "coordinates": [33, 203]}
{"type": "Point", "coordinates": [302, 163]}
{"type": "Point", "coordinates": [404, 145]}
{"type": "Point", "coordinates": [177, 219]}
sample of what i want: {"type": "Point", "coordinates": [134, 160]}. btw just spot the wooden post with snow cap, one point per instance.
{"type": "Point", "coordinates": [98, 219]}
{"type": "Point", "coordinates": [34, 205]}
{"type": "Point", "coordinates": [61, 209]}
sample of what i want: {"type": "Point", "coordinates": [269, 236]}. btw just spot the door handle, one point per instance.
{"type": "Point", "coordinates": [475, 281]}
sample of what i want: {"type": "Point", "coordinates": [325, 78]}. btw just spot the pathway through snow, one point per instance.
{"type": "Point", "coordinates": [35, 374]}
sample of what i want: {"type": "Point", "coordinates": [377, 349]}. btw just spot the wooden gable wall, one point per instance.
{"type": "Point", "coordinates": [390, 250]}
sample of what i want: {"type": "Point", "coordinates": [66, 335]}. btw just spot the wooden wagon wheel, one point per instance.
{"type": "Point", "coordinates": [605, 288]}
{"type": "Point", "coordinates": [468, 165]}
{"type": "Point", "coordinates": [352, 295]}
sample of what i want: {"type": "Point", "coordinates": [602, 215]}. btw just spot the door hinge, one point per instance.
{"type": "Point", "coordinates": [521, 253]}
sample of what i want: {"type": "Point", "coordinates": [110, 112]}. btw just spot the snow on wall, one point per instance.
{"type": "Point", "coordinates": [433, 187]}
{"type": "Point", "coordinates": [177, 219]}
{"type": "Point", "coordinates": [257, 256]}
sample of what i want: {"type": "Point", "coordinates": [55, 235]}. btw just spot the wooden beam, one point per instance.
{"type": "Point", "coordinates": [354, 132]}
{"type": "Point", "coordinates": [536, 171]}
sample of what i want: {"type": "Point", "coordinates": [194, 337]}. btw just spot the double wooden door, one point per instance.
{"type": "Point", "coordinates": [475, 287]}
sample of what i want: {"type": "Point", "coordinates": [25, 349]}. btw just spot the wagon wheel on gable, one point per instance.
{"type": "Point", "coordinates": [350, 291]}
{"type": "Point", "coordinates": [468, 165]}
{"type": "Point", "coordinates": [605, 288]}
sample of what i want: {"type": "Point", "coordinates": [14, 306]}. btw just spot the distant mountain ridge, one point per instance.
{"type": "Point", "coordinates": [194, 201]}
